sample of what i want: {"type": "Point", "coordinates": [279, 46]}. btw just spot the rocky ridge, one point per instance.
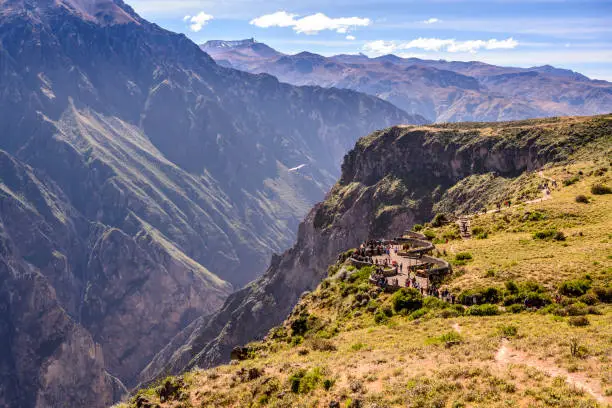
{"type": "Point", "coordinates": [441, 91]}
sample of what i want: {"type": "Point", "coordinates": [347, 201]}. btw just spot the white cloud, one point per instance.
{"type": "Point", "coordinates": [431, 21]}
{"type": "Point", "coordinates": [311, 24]}
{"type": "Point", "coordinates": [380, 47]}
{"type": "Point", "coordinates": [278, 19]}
{"type": "Point", "coordinates": [351, 37]}
{"type": "Point", "coordinates": [198, 21]}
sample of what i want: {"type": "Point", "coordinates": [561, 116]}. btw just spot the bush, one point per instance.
{"type": "Point", "coordinates": [463, 256]}
{"type": "Point", "coordinates": [448, 313]}
{"type": "Point", "coordinates": [579, 321]}
{"type": "Point", "coordinates": [603, 294]}
{"type": "Point", "coordinates": [417, 227]}
{"type": "Point", "coordinates": [320, 344]}
{"type": "Point", "coordinates": [508, 331]}
{"type": "Point", "coordinates": [546, 234]}
{"type": "Point", "coordinates": [516, 308]}
{"type": "Point", "coordinates": [535, 216]}
{"type": "Point", "coordinates": [407, 299]}
{"type": "Point", "coordinates": [582, 199]}
{"type": "Point", "coordinates": [483, 310]}
{"type": "Point", "coordinates": [559, 236]}
{"type": "Point", "coordinates": [450, 338]}
{"type": "Point", "coordinates": [600, 189]}
{"type": "Point", "coordinates": [512, 287]}
{"type": "Point", "coordinates": [535, 299]}
{"type": "Point", "coordinates": [479, 296]}
{"type": "Point", "coordinates": [571, 181]}
{"type": "Point", "coordinates": [589, 299]}
{"type": "Point", "coordinates": [577, 309]}
{"type": "Point", "coordinates": [575, 287]}
{"type": "Point", "coordinates": [429, 234]}
{"type": "Point", "coordinates": [302, 381]}
{"type": "Point", "coordinates": [380, 317]}
{"type": "Point", "coordinates": [299, 326]}
{"type": "Point", "coordinates": [417, 314]}
{"type": "Point", "coordinates": [439, 220]}
{"type": "Point", "coordinates": [431, 302]}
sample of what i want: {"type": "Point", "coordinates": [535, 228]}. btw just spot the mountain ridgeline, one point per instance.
{"type": "Point", "coordinates": [441, 91]}
{"type": "Point", "coordinates": [140, 184]}
{"type": "Point", "coordinates": [391, 180]}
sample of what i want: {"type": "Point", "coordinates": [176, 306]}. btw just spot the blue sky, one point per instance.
{"type": "Point", "coordinates": [570, 34]}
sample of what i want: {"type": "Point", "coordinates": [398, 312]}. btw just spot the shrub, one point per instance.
{"type": "Point", "coordinates": [408, 299]}
{"type": "Point", "coordinates": [589, 299]}
{"type": "Point", "coordinates": [448, 313]}
{"type": "Point", "coordinates": [450, 338]}
{"type": "Point", "coordinates": [559, 236]}
{"type": "Point", "coordinates": [479, 296]}
{"type": "Point", "coordinates": [578, 321]}
{"type": "Point", "coordinates": [582, 199]}
{"type": "Point", "coordinates": [417, 227]}
{"type": "Point", "coordinates": [571, 181]}
{"type": "Point", "coordinates": [429, 234]}
{"type": "Point", "coordinates": [320, 344]}
{"type": "Point", "coordinates": [508, 331]}
{"type": "Point", "coordinates": [417, 314]}
{"type": "Point", "coordinates": [516, 308]}
{"type": "Point", "coordinates": [535, 216]}
{"type": "Point", "coordinates": [577, 309]}
{"type": "Point", "coordinates": [463, 256]}
{"type": "Point", "coordinates": [438, 220]}
{"type": "Point", "coordinates": [299, 326]}
{"type": "Point", "coordinates": [431, 302]}
{"type": "Point", "coordinates": [302, 381]}
{"type": "Point", "coordinates": [546, 234]}
{"type": "Point", "coordinates": [483, 310]}
{"type": "Point", "coordinates": [535, 299]}
{"type": "Point", "coordinates": [600, 189]}
{"type": "Point", "coordinates": [380, 317]}
{"type": "Point", "coordinates": [603, 294]}
{"type": "Point", "coordinates": [512, 287]}
{"type": "Point", "coordinates": [575, 287]}
{"type": "Point", "coordinates": [328, 384]}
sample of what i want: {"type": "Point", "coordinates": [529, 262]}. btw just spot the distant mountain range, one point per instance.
{"type": "Point", "coordinates": [140, 183]}
{"type": "Point", "coordinates": [440, 91]}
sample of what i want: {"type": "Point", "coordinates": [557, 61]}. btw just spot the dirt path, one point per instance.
{"type": "Point", "coordinates": [507, 355]}
{"type": "Point", "coordinates": [546, 195]}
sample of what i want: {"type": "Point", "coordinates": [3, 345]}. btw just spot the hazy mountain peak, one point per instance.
{"type": "Point", "coordinates": [247, 46]}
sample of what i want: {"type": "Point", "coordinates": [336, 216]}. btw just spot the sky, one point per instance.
{"type": "Point", "coordinates": [572, 34]}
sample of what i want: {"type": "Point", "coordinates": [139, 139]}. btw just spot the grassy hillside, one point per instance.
{"type": "Point", "coordinates": [346, 344]}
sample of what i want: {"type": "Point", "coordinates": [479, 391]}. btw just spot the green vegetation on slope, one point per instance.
{"type": "Point", "coordinates": [538, 334]}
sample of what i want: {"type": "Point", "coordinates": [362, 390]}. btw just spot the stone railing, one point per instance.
{"type": "Point", "coordinates": [436, 270]}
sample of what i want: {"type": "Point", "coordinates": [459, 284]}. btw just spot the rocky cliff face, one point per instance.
{"type": "Point", "coordinates": [139, 183]}
{"type": "Point", "coordinates": [390, 180]}
{"type": "Point", "coordinates": [441, 91]}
